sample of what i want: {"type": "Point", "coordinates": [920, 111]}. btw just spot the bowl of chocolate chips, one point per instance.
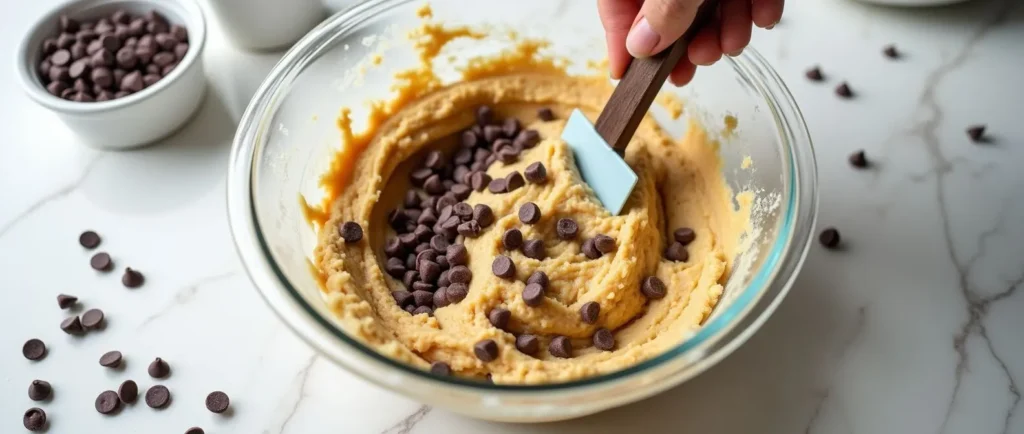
{"type": "Point", "coordinates": [121, 74]}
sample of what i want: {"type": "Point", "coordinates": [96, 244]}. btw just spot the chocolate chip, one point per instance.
{"type": "Point", "coordinates": [423, 233]}
{"type": "Point", "coordinates": [891, 52]}
{"type": "Point", "coordinates": [395, 267]}
{"type": "Point", "coordinates": [158, 396]}
{"type": "Point", "coordinates": [132, 278]}
{"type": "Point", "coordinates": [499, 317]}
{"type": "Point", "coordinates": [433, 185]}
{"type": "Point", "coordinates": [428, 217]}
{"type": "Point", "coordinates": [561, 347]}
{"type": "Point", "coordinates": [684, 236]}
{"type": "Point", "coordinates": [33, 349]}
{"type": "Point", "coordinates": [529, 213]}
{"type": "Point", "coordinates": [180, 50]}
{"type": "Point", "coordinates": [59, 73]}
{"type": "Point", "coordinates": [536, 173]}
{"type": "Point", "coordinates": [512, 239]}
{"type": "Point", "coordinates": [158, 368]}
{"type": "Point", "coordinates": [410, 277]}
{"type": "Point", "coordinates": [479, 180]}
{"type": "Point", "coordinates": [497, 186]}
{"type": "Point", "coordinates": [34, 419]}
{"type": "Point", "coordinates": [503, 267]}
{"type": "Point", "coordinates": [540, 278]}
{"type": "Point", "coordinates": [486, 350]}
{"type": "Point", "coordinates": [463, 210]}
{"type": "Point", "coordinates": [590, 311]}
{"type": "Point", "coordinates": [469, 139]}
{"type": "Point", "coordinates": [545, 114]}
{"type": "Point", "coordinates": [128, 391]}
{"type": "Point", "coordinates": [423, 310]}
{"type": "Point", "coordinates": [107, 402]}
{"type": "Point", "coordinates": [60, 58]}
{"type": "Point", "coordinates": [603, 339]}
{"type": "Point", "coordinates": [217, 402]}
{"type": "Point", "coordinates": [440, 368]}
{"type": "Point", "coordinates": [604, 243]}
{"type": "Point", "coordinates": [66, 301]}
{"type": "Point", "coordinates": [510, 127]}
{"type": "Point", "coordinates": [80, 68]}
{"type": "Point", "coordinates": [814, 74]}
{"type": "Point", "coordinates": [419, 176]}
{"type": "Point", "coordinates": [111, 359]}
{"type": "Point", "coordinates": [492, 133]}
{"type": "Point", "coordinates": [101, 262]}
{"type": "Point", "coordinates": [513, 181]}
{"type": "Point", "coordinates": [422, 298]}
{"type": "Point", "coordinates": [677, 252]}
{"type": "Point", "coordinates": [590, 250]}
{"type": "Point", "coordinates": [844, 91]}
{"type": "Point", "coordinates": [450, 227]}
{"type": "Point", "coordinates": [434, 160]}
{"type": "Point", "coordinates": [410, 308]}
{"type": "Point", "coordinates": [470, 229]}
{"type": "Point", "coordinates": [533, 295]}
{"type": "Point", "coordinates": [483, 215]}
{"type": "Point", "coordinates": [81, 97]}
{"type": "Point", "coordinates": [126, 58]}
{"type": "Point", "coordinates": [457, 254]}
{"type": "Point", "coordinates": [150, 79]}
{"type": "Point", "coordinates": [527, 139]}
{"type": "Point", "coordinates": [508, 155]}
{"type": "Point", "coordinates": [68, 24]}
{"type": "Point", "coordinates": [39, 390]}
{"type": "Point", "coordinates": [56, 88]}
{"type": "Point", "coordinates": [460, 274]}
{"type": "Point", "coordinates": [461, 191]}
{"type": "Point", "coordinates": [484, 115]}
{"type": "Point", "coordinates": [534, 249]}
{"type": "Point", "coordinates": [653, 288]}
{"type": "Point", "coordinates": [72, 326]}
{"type": "Point", "coordinates": [195, 430]}
{"type": "Point", "coordinates": [402, 298]}
{"type": "Point", "coordinates": [830, 238]}
{"type": "Point", "coordinates": [92, 319]}
{"type": "Point", "coordinates": [527, 344]}
{"type": "Point", "coordinates": [858, 159]}
{"type": "Point", "coordinates": [976, 133]}
{"type": "Point", "coordinates": [132, 82]}
{"type": "Point", "coordinates": [566, 228]}
{"type": "Point", "coordinates": [429, 271]}
{"type": "Point", "coordinates": [456, 292]}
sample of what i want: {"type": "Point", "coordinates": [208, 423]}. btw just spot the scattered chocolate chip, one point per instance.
{"type": "Point", "coordinates": [545, 114]}
{"type": "Point", "coordinates": [976, 133]}
{"type": "Point", "coordinates": [484, 115]}
{"type": "Point", "coordinates": [604, 243]}
{"type": "Point", "coordinates": [469, 139]}
{"type": "Point", "coordinates": [72, 326]}
{"type": "Point", "coordinates": [685, 236]}
{"type": "Point", "coordinates": [512, 239]}
{"type": "Point", "coordinates": [653, 288]}
{"type": "Point", "coordinates": [457, 255]}
{"type": "Point", "coordinates": [128, 391]}
{"type": "Point", "coordinates": [604, 340]}
{"type": "Point", "coordinates": [527, 139]}
{"type": "Point", "coordinates": [423, 234]}
{"type": "Point", "coordinates": [499, 317]}
{"type": "Point", "coordinates": [463, 210]}
{"type": "Point", "coordinates": [891, 52]}
{"type": "Point", "coordinates": [422, 298]}
{"type": "Point", "coordinates": [460, 274]}
{"type": "Point", "coordinates": [92, 319]}
{"type": "Point", "coordinates": [540, 278]}
{"type": "Point", "coordinates": [858, 159]}
{"type": "Point", "coordinates": [510, 127]}
{"type": "Point", "coordinates": [677, 252]}
{"type": "Point", "coordinates": [419, 176]}
{"type": "Point", "coordinates": [111, 359]}
{"type": "Point", "coordinates": [486, 350]}
{"type": "Point", "coordinates": [157, 396]}
{"type": "Point", "coordinates": [33, 349]}
{"type": "Point", "coordinates": [89, 239]}
{"type": "Point", "coordinates": [402, 298]}
{"type": "Point", "coordinates": [536, 173]}
{"type": "Point", "coordinates": [814, 74]}
{"type": "Point", "coordinates": [566, 228]}
{"type": "Point", "coordinates": [479, 180]}
{"type": "Point", "coordinates": [529, 213]}
{"type": "Point", "coordinates": [440, 368]}
{"type": "Point", "coordinates": [108, 402]}
{"type": "Point", "coordinates": [132, 278]}
{"type": "Point", "coordinates": [395, 267]}
{"type": "Point", "coordinates": [498, 186]}
{"type": "Point", "coordinates": [492, 133]}
{"type": "Point", "coordinates": [830, 238]}
{"type": "Point", "coordinates": [34, 419]}
{"type": "Point", "coordinates": [513, 181]}
{"type": "Point", "coordinates": [158, 368]}
{"type": "Point", "coordinates": [456, 292]}
{"type": "Point", "coordinates": [470, 229]}
{"type": "Point", "coordinates": [429, 271]}
{"type": "Point", "coordinates": [351, 232]}
{"type": "Point", "coordinates": [39, 390]}
{"type": "Point", "coordinates": [533, 295]}
{"type": "Point", "coordinates": [101, 262]}
{"type": "Point", "coordinates": [483, 215]}
{"type": "Point", "coordinates": [503, 267]}
{"type": "Point", "coordinates": [844, 91]}
{"type": "Point", "coordinates": [217, 402]}
{"type": "Point", "coordinates": [195, 430]}
{"type": "Point", "coordinates": [561, 347]}
{"type": "Point", "coordinates": [528, 344]}
{"type": "Point", "coordinates": [461, 191]}
{"type": "Point", "coordinates": [534, 249]}
{"type": "Point", "coordinates": [589, 249]}
{"type": "Point", "coordinates": [590, 311]}
{"type": "Point", "coordinates": [60, 58]}
{"type": "Point", "coordinates": [66, 301]}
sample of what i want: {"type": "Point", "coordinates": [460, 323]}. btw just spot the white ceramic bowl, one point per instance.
{"type": "Point", "coordinates": [137, 119]}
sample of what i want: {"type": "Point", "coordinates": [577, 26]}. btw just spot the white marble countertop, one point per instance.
{"type": "Point", "coordinates": [911, 329]}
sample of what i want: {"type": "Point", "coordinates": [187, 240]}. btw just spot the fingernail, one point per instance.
{"type": "Point", "coordinates": [735, 53]}
{"type": "Point", "coordinates": [772, 26]}
{"type": "Point", "coordinates": [641, 40]}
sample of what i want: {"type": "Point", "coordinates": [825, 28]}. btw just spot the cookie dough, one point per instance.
{"type": "Point", "coordinates": [680, 185]}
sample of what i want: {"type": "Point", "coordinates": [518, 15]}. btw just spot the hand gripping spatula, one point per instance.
{"type": "Point", "coordinates": [599, 148]}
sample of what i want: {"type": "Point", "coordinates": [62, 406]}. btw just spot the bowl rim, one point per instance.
{"type": "Point", "coordinates": [34, 88]}
{"type": "Point", "coordinates": [787, 252]}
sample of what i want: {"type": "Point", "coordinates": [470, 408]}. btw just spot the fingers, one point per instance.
{"type": "Point", "coordinates": [682, 73]}
{"type": "Point", "coordinates": [767, 13]}
{"type": "Point", "coordinates": [736, 21]}
{"type": "Point", "coordinates": [705, 48]}
{"type": "Point", "coordinates": [617, 17]}
{"type": "Point", "coordinates": [659, 24]}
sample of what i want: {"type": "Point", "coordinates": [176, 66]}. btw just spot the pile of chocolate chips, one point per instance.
{"type": "Point", "coordinates": [111, 57]}
{"type": "Point", "coordinates": [427, 252]}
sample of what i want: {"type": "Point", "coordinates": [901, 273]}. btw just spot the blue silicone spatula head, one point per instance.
{"type": "Point", "coordinates": [604, 170]}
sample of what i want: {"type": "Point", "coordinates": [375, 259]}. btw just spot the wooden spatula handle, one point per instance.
{"type": "Point", "coordinates": [640, 84]}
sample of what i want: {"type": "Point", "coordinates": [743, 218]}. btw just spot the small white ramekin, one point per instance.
{"type": "Point", "coordinates": [137, 119]}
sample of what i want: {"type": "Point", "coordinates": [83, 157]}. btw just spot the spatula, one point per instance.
{"type": "Point", "coordinates": [599, 148]}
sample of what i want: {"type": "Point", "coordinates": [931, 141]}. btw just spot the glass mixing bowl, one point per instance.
{"type": "Point", "coordinates": [288, 135]}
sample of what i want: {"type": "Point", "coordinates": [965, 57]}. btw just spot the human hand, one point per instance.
{"type": "Point", "coordinates": [639, 28]}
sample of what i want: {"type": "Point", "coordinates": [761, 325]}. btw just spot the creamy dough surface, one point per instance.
{"type": "Point", "coordinates": [680, 185]}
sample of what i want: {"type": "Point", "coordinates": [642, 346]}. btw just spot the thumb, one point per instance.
{"type": "Point", "coordinates": [659, 24]}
